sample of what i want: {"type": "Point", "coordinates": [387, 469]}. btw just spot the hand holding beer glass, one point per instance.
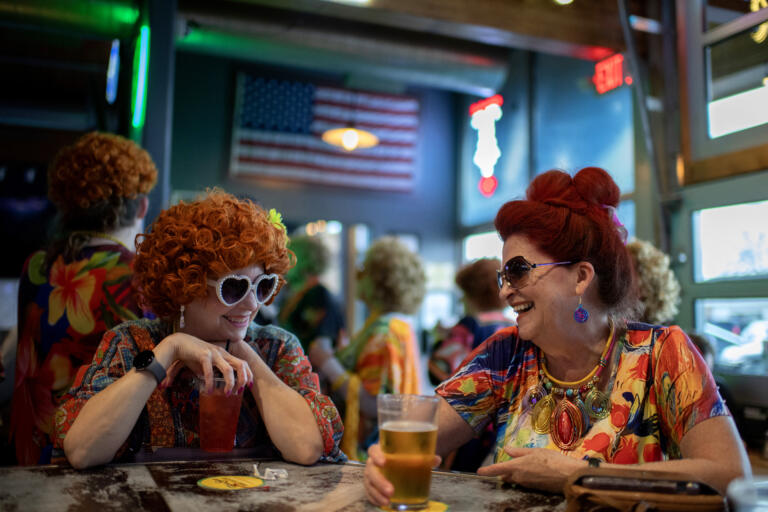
{"type": "Point", "coordinates": [408, 435]}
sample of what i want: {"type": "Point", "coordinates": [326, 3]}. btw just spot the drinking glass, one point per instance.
{"type": "Point", "coordinates": [408, 435]}
{"type": "Point", "coordinates": [748, 494]}
{"type": "Point", "coordinates": [218, 416]}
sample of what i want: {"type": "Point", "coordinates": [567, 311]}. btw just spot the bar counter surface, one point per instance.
{"type": "Point", "coordinates": [172, 486]}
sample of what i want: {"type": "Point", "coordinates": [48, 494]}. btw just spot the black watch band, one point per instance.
{"type": "Point", "coordinates": [145, 362]}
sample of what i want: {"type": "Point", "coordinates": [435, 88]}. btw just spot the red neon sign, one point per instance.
{"type": "Point", "coordinates": [487, 186]}
{"type": "Point", "coordinates": [496, 99]}
{"type": "Point", "coordinates": [609, 74]}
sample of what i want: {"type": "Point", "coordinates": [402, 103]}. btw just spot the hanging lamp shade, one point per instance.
{"type": "Point", "coordinates": [350, 138]}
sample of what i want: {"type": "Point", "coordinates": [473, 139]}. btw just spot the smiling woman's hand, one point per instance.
{"type": "Point", "coordinates": [534, 467]}
{"type": "Point", "coordinates": [201, 357]}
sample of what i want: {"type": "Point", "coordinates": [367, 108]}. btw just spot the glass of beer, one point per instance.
{"type": "Point", "coordinates": [218, 416]}
{"type": "Point", "coordinates": [408, 435]}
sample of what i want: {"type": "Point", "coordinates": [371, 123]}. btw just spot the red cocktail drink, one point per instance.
{"type": "Point", "coordinates": [218, 417]}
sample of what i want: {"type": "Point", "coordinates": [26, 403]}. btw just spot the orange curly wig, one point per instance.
{"type": "Point", "coordinates": [97, 167]}
{"type": "Point", "coordinates": [205, 239]}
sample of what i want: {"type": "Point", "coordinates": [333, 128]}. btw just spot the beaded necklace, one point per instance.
{"type": "Point", "coordinates": [564, 409]}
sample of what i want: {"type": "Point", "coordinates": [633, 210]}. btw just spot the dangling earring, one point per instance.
{"type": "Point", "coordinates": [581, 315]}
{"type": "Point", "coordinates": [181, 318]}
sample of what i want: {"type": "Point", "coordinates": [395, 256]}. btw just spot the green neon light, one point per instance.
{"type": "Point", "coordinates": [140, 73]}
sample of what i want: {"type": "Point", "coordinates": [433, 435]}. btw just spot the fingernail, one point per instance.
{"type": "Point", "coordinates": [250, 384]}
{"type": "Point", "coordinates": [240, 390]}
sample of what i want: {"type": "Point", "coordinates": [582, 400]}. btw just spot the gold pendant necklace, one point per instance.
{"type": "Point", "coordinates": [564, 409]}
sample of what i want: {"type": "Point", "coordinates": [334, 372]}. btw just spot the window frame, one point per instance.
{"type": "Point", "coordinates": [737, 190]}
{"type": "Point", "coordinates": [729, 155]}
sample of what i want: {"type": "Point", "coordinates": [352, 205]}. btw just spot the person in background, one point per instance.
{"type": "Point", "coordinates": [80, 285]}
{"type": "Point", "coordinates": [383, 357]}
{"type": "Point", "coordinates": [574, 384]}
{"type": "Point", "coordinates": [483, 315]}
{"type": "Point", "coordinates": [706, 346]}
{"type": "Point", "coordinates": [204, 269]}
{"type": "Point", "coordinates": [658, 288]}
{"type": "Point", "coordinates": [310, 311]}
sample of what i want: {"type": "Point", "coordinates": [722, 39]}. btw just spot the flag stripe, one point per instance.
{"type": "Point", "coordinates": [408, 121]}
{"type": "Point", "coordinates": [301, 174]}
{"type": "Point", "coordinates": [350, 156]}
{"type": "Point", "coordinates": [389, 136]}
{"type": "Point", "coordinates": [351, 171]}
{"type": "Point", "coordinates": [385, 101]}
{"type": "Point", "coordinates": [365, 108]}
{"type": "Point", "coordinates": [300, 141]}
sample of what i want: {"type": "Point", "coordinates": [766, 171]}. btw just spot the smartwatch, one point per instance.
{"type": "Point", "coordinates": [145, 362]}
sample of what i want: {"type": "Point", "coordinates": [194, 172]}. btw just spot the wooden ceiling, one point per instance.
{"type": "Point", "coordinates": [588, 29]}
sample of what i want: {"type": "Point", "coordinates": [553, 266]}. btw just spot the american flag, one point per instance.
{"type": "Point", "coordinates": [278, 125]}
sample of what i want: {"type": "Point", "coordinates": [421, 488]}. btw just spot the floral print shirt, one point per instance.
{"type": "Point", "coordinates": [382, 358]}
{"type": "Point", "coordinates": [63, 314]}
{"type": "Point", "coordinates": [661, 388]}
{"type": "Point", "coordinates": [170, 418]}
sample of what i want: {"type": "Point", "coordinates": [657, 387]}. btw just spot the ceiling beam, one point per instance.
{"type": "Point", "coordinates": [588, 30]}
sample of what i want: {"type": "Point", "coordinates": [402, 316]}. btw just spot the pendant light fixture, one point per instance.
{"type": "Point", "coordinates": [350, 138]}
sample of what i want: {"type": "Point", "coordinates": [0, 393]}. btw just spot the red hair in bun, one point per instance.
{"type": "Point", "coordinates": [571, 219]}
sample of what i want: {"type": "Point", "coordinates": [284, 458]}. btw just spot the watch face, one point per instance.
{"type": "Point", "coordinates": [143, 359]}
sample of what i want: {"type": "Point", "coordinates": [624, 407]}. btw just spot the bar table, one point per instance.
{"type": "Point", "coordinates": [173, 486]}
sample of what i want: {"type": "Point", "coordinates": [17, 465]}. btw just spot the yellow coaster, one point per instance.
{"type": "Point", "coordinates": [432, 506]}
{"type": "Point", "coordinates": [230, 483]}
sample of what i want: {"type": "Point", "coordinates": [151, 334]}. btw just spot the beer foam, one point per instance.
{"type": "Point", "coordinates": [408, 426]}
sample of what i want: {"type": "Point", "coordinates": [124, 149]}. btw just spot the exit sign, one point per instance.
{"type": "Point", "coordinates": [609, 74]}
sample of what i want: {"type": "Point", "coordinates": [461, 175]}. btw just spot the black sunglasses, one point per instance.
{"type": "Point", "coordinates": [233, 288]}
{"type": "Point", "coordinates": [517, 270]}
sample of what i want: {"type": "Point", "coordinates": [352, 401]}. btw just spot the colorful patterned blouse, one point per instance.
{"type": "Point", "coordinates": [170, 418]}
{"type": "Point", "coordinates": [661, 389]}
{"type": "Point", "coordinates": [63, 314]}
{"type": "Point", "coordinates": [382, 358]}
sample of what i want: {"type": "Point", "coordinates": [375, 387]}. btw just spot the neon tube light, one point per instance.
{"type": "Point", "coordinates": [113, 71]}
{"type": "Point", "coordinates": [140, 77]}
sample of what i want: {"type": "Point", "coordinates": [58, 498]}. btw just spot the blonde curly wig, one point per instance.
{"type": "Point", "coordinates": [658, 288]}
{"type": "Point", "coordinates": [396, 275]}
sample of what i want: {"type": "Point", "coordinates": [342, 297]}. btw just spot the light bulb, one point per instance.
{"type": "Point", "coordinates": [350, 139]}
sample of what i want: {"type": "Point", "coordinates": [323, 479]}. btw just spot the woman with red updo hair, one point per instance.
{"type": "Point", "coordinates": [205, 268]}
{"type": "Point", "coordinates": [575, 384]}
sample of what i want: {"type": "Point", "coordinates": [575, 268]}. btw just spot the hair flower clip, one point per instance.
{"type": "Point", "coordinates": [623, 233]}
{"type": "Point", "coordinates": [276, 219]}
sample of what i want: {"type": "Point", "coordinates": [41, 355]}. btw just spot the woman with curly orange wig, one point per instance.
{"type": "Point", "coordinates": [204, 269]}
{"type": "Point", "coordinates": [80, 286]}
